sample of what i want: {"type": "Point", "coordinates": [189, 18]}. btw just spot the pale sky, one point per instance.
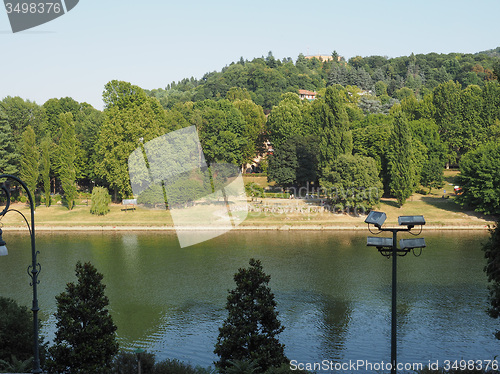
{"type": "Point", "coordinates": [152, 43]}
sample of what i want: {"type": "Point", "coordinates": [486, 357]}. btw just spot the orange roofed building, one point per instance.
{"type": "Point", "coordinates": [305, 94]}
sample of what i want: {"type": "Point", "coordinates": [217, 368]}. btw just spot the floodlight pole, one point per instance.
{"type": "Point", "coordinates": [394, 309]}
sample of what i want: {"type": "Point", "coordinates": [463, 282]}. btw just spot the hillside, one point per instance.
{"type": "Point", "coordinates": [266, 78]}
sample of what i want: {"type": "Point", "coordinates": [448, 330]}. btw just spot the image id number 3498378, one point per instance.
{"type": "Point", "coordinates": [32, 8]}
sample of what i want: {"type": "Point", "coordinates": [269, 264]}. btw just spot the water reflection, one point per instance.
{"type": "Point", "coordinates": [333, 293]}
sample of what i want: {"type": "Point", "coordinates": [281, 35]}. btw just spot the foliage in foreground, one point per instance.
{"type": "Point", "coordinates": [250, 332]}
{"type": "Point", "coordinates": [492, 253]}
{"type": "Point", "coordinates": [127, 363]}
{"type": "Point", "coordinates": [16, 331]}
{"type": "Point", "coordinates": [85, 340]}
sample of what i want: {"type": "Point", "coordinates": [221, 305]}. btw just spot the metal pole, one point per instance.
{"type": "Point", "coordinates": [394, 326]}
{"type": "Point", "coordinates": [34, 275]}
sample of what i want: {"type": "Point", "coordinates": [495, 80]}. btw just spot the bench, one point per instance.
{"type": "Point", "coordinates": [129, 202]}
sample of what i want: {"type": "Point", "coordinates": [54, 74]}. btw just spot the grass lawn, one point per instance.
{"type": "Point", "coordinates": [438, 211]}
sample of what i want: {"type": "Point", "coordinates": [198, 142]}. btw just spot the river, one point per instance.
{"type": "Point", "coordinates": [333, 292]}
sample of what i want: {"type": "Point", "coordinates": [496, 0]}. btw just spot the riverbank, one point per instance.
{"type": "Point", "coordinates": [264, 214]}
{"type": "Point", "coordinates": [439, 208]}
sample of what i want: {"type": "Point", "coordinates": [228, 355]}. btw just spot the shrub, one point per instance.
{"type": "Point", "coordinates": [100, 201]}
{"type": "Point", "coordinates": [126, 363]}
{"type": "Point", "coordinates": [254, 190]}
{"type": "Point", "coordinates": [16, 331]}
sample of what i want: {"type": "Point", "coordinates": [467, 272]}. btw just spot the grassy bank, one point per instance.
{"type": "Point", "coordinates": [439, 212]}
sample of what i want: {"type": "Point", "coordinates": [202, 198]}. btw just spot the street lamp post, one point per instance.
{"type": "Point", "coordinates": [33, 269]}
{"type": "Point", "coordinates": [388, 247]}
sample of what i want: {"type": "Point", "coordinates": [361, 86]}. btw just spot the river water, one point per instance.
{"type": "Point", "coordinates": [333, 292]}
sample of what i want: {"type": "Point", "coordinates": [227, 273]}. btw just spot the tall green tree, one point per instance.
{"type": "Point", "coordinates": [353, 181]}
{"type": "Point", "coordinates": [447, 100]}
{"type": "Point", "coordinates": [223, 132]}
{"type": "Point", "coordinates": [28, 171]}
{"type": "Point", "coordinates": [285, 120]}
{"type": "Point", "coordinates": [250, 332]}
{"type": "Point", "coordinates": [295, 162]}
{"type": "Point", "coordinates": [20, 114]}
{"type": "Point", "coordinates": [85, 340]}
{"type": "Point", "coordinates": [45, 167]}
{"type": "Point", "coordinates": [127, 120]}
{"type": "Point", "coordinates": [283, 164]}
{"type": "Point", "coordinates": [479, 179]}
{"type": "Point", "coordinates": [401, 162]}
{"type": "Point", "coordinates": [66, 158]}
{"type": "Point", "coordinates": [335, 134]}
{"type": "Point", "coordinates": [492, 253]}
{"type": "Point", "coordinates": [8, 156]}
{"type": "Point", "coordinates": [255, 120]}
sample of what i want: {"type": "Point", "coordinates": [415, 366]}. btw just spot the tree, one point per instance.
{"type": "Point", "coordinates": [401, 162]}
{"type": "Point", "coordinates": [283, 164]}
{"type": "Point", "coordinates": [223, 132]}
{"type": "Point", "coordinates": [8, 156]}
{"type": "Point", "coordinates": [448, 104]}
{"type": "Point", "coordinates": [85, 340]}
{"type": "Point", "coordinates": [100, 201]}
{"type": "Point", "coordinates": [251, 329]}
{"type": "Point", "coordinates": [285, 120]}
{"type": "Point", "coordinates": [16, 331]}
{"type": "Point", "coordinates": [21, 113]}
{"type": "Point", "coordinates": [353, 181]}
{"type": "Point", "coordinates": [432, 173]}
{"type": "Point", "coordinates": [479, 179]}
{"type": "Point", "coordinates": [29, 159]}
{"type": "Point", "coordinates": [492, 254]}
{"type": "Point", "coordinates": [255, 120]}
{"type": "Point", "coordinates": [126, 121]}
{"type": "Point", "coordinates": [45, 167]}
{"type": "Point", "coordinates": [335, 136]}
{"type": "Point", "coordinates": [67, 157]}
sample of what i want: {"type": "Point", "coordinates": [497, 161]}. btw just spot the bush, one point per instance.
{"type": "Point", "coordinates": [100, 201]}
{"type": "Point", "coordinates": [178, 367]}
{"type": "Point", "coordinates": [126, 363]}
{"type": "Point", "coordinates": [254, 190]}
{"type": "Point", "coordinates": [277, 195]}
{"type": "Point", "coordinates": [16, 331]}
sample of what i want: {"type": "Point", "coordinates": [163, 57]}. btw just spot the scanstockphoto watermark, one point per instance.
{"type": "Point", "coordinates": [352, 366]}
{"type": "Point", "coordinates": [313, 201]}
{"type": "Point", "coordinates": [24, 14]}
{"type": "Point", "coordinates": [356, 193]}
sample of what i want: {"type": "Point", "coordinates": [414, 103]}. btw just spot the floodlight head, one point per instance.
{"type": "Point", "coordinates": [375, 241]}
{"type": "Point", "coordinates": [376, 218]}
{"type": "Point", "coordinates": [412, 243]}
{"type": "Point", "coordinates": [411, 221]}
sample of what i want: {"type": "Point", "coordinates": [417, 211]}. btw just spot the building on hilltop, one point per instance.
{"type": "Point", "coordinates": [305, 94]}
{"type": "Point", "coordinates": [324, 57]}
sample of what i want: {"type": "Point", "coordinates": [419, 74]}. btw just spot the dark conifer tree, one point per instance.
{"type": "Point", "coordinates": [250, 332]}
{"type": "Point", "coordinates": [85, 339]}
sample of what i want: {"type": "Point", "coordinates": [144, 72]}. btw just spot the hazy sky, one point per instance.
{"type": "Point", "coordinates": [152, 43]}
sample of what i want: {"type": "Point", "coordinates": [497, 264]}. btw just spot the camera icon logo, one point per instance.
{"type": "Point", "coordinates": [26, 14]}
{"type": "Point", "coordinates": [205, 201]}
